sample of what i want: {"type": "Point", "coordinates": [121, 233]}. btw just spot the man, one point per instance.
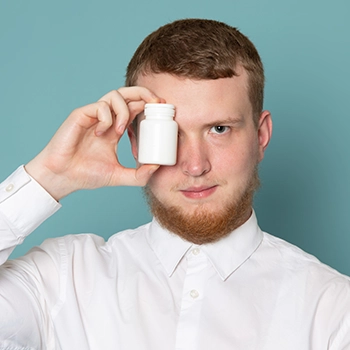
{"type": "Point", "coordinates": [201, 275]}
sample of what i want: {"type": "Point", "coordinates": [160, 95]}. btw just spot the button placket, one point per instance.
{"type": "Point", "coordinates": [196, 264]}
{"type": "Point", "coordinates": [194, 294]}
{"type": "Point", "coordinates": [192, 299]}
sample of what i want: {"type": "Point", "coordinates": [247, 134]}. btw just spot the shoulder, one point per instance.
{"type": "Point", "coordinates": [85, 243]}
{"type": "Point", "coordinates": [300, 264]}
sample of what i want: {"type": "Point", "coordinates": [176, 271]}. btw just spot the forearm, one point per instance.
{"type": "Point", "coordinates": [81, 155]}
{"type": "Point", "coordinates": [24, 205]}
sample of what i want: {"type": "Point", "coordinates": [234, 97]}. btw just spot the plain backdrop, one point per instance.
{"type": "Point", "coordinates": [59, 55]}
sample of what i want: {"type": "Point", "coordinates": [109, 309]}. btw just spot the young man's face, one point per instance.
{"type": "Point", "coordinates": [219, 148]}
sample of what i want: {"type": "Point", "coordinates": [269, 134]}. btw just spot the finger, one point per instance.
{"type": "Point", "coordinates": [105, 118]}
{"type": "Point", "coordinates": [119, 106]}
{"type": "Point", "coordinates": [138, 93]}
{"type": "Point", "coordinates": [122, 102]}
{"type": "Point", "coordinates": [145, 172]}
{"type": "Point", "coordinates": [135, 107]}
{"type": "Point", "coordinates": [89, 115]}
{"type": "Point", "coordinates": [134, 177]}
{"type": "Point", "coordinates": [136, 97]}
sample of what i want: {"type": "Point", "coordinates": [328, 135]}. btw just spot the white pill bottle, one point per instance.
{"type": "Point", "coordinates": [157, 142]}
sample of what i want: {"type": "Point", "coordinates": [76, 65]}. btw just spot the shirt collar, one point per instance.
{"type": "Point", "coordinates": [226, 255]}
{"type": "Point", "coordinates": [168, 247]}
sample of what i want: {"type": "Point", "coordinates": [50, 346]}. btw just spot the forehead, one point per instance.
{"type": "Point", "coordinates": [219, 98]}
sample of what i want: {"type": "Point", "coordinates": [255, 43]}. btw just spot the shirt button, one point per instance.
{"type": "Point", "coordinates": [196, 251]}
{"type": "Point", "coordinates": [194, 294]}
{"type": "Point", "coordinates": [9, 188]}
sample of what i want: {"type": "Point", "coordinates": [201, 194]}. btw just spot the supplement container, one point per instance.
{"type": "Point", "coordinates": [157, 143]}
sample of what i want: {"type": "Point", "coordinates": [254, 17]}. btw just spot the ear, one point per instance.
{"type": "Point", "coordinates": [133, 140]}
{"type": "Point", "coordinates": [264, 132]}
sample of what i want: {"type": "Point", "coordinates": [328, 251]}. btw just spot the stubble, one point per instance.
{"type": "Point", "coordinates": [204, 226]}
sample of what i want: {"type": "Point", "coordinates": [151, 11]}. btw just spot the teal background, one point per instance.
{"type": "Point", "coordinates": [56, 56]}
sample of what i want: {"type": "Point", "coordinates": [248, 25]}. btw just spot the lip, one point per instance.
{"type": "Point", "coordinates": [199, 192]}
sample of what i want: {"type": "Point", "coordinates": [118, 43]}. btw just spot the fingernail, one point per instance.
{"type": "Point", "coordinates": [153, 169]}
{"type": "Point", "coordinates": [121, 128]}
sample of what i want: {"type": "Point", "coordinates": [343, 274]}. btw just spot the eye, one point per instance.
{"type": "Point", "coordinates": [219, 129]}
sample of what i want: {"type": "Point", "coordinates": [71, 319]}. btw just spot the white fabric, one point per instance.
{"type": "Point", "coordinates": [148, 289]}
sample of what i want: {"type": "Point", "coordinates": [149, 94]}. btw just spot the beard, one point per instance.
{"type": "Point", "coordinates": [202, 225]}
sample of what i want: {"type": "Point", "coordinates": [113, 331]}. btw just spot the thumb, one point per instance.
{"type": "Point", "coordinates": [144, 173]}
{"type": "Point", "coordinates": [133, 177]}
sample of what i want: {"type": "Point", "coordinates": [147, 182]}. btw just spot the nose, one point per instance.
{"type": "Point", "coordinates": [193, 157]}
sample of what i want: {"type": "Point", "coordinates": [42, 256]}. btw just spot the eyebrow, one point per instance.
{"type": "Point", "coordinates": [227, 121]}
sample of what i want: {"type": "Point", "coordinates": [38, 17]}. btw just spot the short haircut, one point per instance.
{"type": "Point", "coordinates": [200, 49]}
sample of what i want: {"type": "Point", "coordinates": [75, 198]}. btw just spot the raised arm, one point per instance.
{"type": "Point", "coordinates": [82, 154]}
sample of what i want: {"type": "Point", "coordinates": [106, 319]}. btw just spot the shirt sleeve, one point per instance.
{"type": "Point", "coordinates": [342, 337]}
{"type": "Point", "coordinates": [25, 286]}
{"type": "Point", "coordinates": [24, 205]}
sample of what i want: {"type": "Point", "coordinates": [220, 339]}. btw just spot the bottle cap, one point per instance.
{"type": "Point", "coordinates": [159, 109]}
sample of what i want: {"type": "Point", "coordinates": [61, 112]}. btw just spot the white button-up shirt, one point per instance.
{"type": "Point", "coordinates": [148, 289]}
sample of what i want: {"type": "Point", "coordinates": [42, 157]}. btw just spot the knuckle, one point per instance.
{"type": "Point", "coordinates": [103, 109]}
{"type": "Point", "coordinates": [120, 90]}
{"type": "Point", "coordinates": [77, 113]}
{"type": "Point", "coordinates": [102, 104]}
{"type": "Point", "coordinates": [115, 92]}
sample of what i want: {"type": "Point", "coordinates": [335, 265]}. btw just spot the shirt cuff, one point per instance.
{"type": "Point", "coordinates": [25, 204]}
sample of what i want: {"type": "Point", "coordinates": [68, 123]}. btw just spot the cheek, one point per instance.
{"type": "Point", "coordinates": [238, 163]}
{"type": "Point", "coordinates": [163, 179]}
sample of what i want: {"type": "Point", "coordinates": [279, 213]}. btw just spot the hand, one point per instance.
{"type": "Point", "coordinates": [82, 153]}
